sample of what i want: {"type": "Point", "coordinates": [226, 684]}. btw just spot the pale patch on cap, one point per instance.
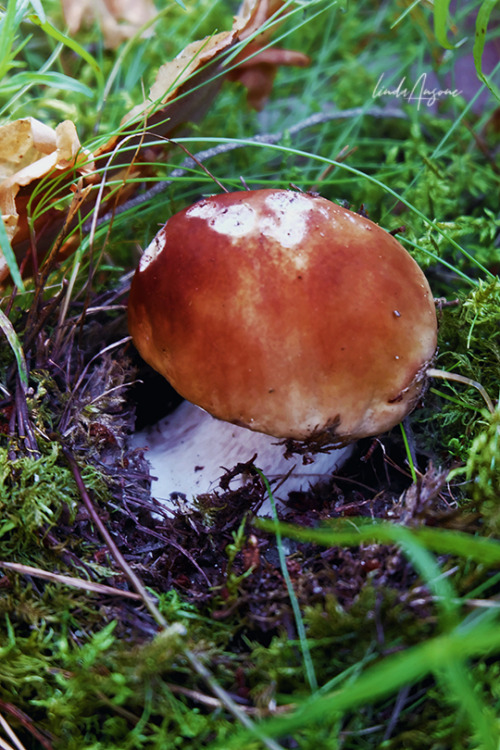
{"type": "Point", "coordinates": [288, 227]}
{"type": "Point", "coordinates": [151, 252]}
{"type": "Point", "coordinates": [232, 221]}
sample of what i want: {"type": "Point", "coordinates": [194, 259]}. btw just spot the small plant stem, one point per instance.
{"type": "Point", "coordinates": [78, 583]}
{"type": "Point", "coordinates": [408, 453]}
{"type": "Point", "coordinates": [306, 654]}
{"type": "Point", "coordinates": [444, 375]}
{"type": "Point", "coordinates": [11, 735]}
{"type": "Point", "coordinates": [137, 584]}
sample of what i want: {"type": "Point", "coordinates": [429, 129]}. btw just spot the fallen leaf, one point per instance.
{"type": "Point", "coordinates": [118, 19]}
{"type": "Point", "coordinates": [257, 70]}
{"type": "Point", "coordinates": [30, 150]}
{"type": "Point", "coordinates": [199, 68]}
{"type": "Point", "coordinates": [172, 76]}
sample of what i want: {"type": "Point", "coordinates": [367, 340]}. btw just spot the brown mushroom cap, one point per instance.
{"type": "Point", "coordinates": [285, 313]}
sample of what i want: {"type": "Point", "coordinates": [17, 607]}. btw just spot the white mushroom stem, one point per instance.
{"type": "Point", "coordinates": [189, 451]}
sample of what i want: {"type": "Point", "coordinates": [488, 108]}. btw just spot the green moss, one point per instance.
{"type": "Point", "coordinates": [482, 471]}
{"type": "Point", "coordinates": [469, 344]}
{"type": "Point", "coordinates": [33, 493]}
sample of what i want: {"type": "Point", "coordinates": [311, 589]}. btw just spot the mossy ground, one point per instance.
{"type": "Point", "coordinates": [94, 669]}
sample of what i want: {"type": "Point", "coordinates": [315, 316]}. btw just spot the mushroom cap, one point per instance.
{"type": "Point", "coordinates": [285, 313]}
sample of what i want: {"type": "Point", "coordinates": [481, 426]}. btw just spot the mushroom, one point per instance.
{"type": "Point", "coordinates": [287, 314]}
{"type": "Point", "coordinates": [190, 454]}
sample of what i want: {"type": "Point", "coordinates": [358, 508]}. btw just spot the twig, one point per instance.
{"type": "Point", "coordinates": [5, 745]}
{"type": "Point", "coordinates": [401, 701]}
{"type": "Point", "coordinates": [207, 700]}
{"type": "Point", "coordinates": [132, 577]}
{"type": "Point", "coordinates": [28, 723]}
{"type": "Point", "coordinates": [46, 311]}
{"type": "Point", "coordinates": [24, 427]}
{"type": "Point", "coordinates": [78, 583]}
{"type": "Point", "coordinates": [10, 734]}
{"type": "Point", "coordinates": [224, 148]}
{"type": "Point", "coordinates": [137, 584]}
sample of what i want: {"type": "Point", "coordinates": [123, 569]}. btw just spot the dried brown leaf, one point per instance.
{"type": "Point", "coordinates": [200, 61]}
{"type": "Point", "coordinates": [30, 150]}
{"type": "Point", "coordinates": [118, 19]}
{"type": "Point", "coordinates": [257, 71]}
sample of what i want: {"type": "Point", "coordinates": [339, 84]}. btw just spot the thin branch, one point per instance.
{"type": "Point", "coordinates": [135, 582]}
{"type": "Point", "coordinates": [10, 734]}
{"type": "Point", "coordinates": [5, 745]}
{"type": "Point", "coordinates": [27, 722]}
{"type": "Point", "coordinates": [78, 583]}
{"type": "Point", "coordinates": [223, 148]}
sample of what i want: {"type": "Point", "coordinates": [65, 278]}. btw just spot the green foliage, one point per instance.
{"type": "Point", "coordinates": [469, 343]}
{"type": "Point", "coordinates": [101, 693]}
{"type": "Point", "coordinates": [233, 580]}
{"type": "Point", "coordinates": [481, 27]}
{"type": "Point", "coordinates": [483, 472]}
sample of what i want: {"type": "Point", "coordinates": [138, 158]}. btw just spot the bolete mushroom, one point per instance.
{"type": "Point", "coordinates": [285, 313]}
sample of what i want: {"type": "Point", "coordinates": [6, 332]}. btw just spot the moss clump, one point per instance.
{"type": "Point", "coordinates": [34, 492]}
{"type": "Point", "coordinates": [483, 473]}
{"type": "Point", "coordinates": [469, 344]}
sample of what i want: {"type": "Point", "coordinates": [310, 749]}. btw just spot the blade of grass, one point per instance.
{"type": "Point", "coordinates": [404, 13]}
{"type": "Point", "coordinates": [299, 622]}
{"type": "Point", "coordinates": [53, 79]}
{"type": "Point", "coordinates": [441, 23]}
{"type": "Point", "coordinates": [8, 27]}
{"type": "Point", "coordinates": [359, 531]}
{"type": "Point", "coordinates": [482, 19]}
{"type": "Point", "coordinates": [51, 31]}
{"type": "Point", "coordinates": [352, 170]}
{"type": "Point", "coordinates": [9, 256]}
{"type": "Point", "coordinates": [15, 345]}
{"type": "Point", "coordinates": [389, 675]}
{"type": "Point", "coordinates": [38, 8]}
{"type": "Point", "coordinates": [409, 456]}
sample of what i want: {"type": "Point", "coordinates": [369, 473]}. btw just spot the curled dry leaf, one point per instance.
{"type": "Point", "coordinates": [172, 78]}
{"type": "Point", "coordinates": [30, 150]}
{"type": "Point", "coordinates": [118, 19]}
{"type": "Point", "coordinates": [256, 66]}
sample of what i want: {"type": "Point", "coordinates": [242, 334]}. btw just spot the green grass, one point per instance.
{"type": "Point", "coordinates": [374, 632]}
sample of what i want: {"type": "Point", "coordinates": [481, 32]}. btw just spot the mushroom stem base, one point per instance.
{"type": "Point", "coordinates": [189, 451]}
